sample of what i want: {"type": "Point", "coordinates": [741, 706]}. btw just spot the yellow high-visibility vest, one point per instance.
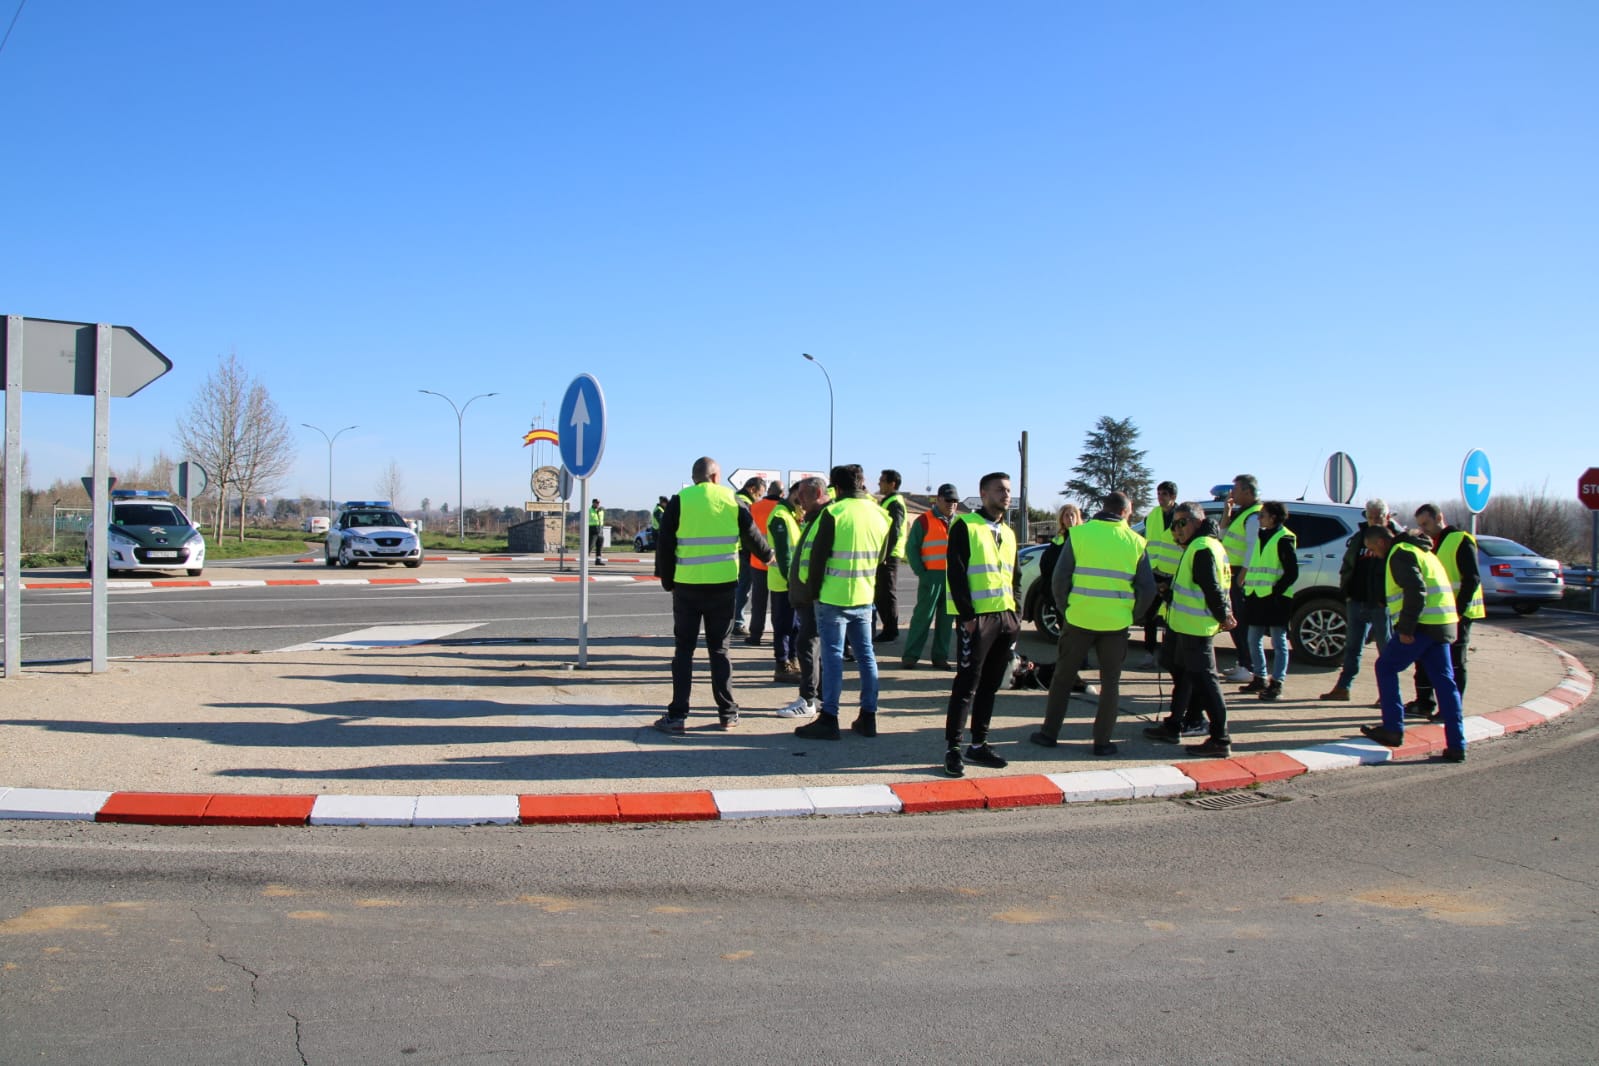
{"type": "Point", "coordinates": [1189, 613]}
{"type": "Point", "coordinates": [1106, 555]}
{"type": "Point", "coordinates": [1438, 603]}
{"type": "Point", "coordinates": [1449, 555]}
{"type": "Point", "coordinates": [990, 570]}
{"type": "Point", "coordinates": [860, 529]}
{"type": "Point", "coordinates": [707, 535]}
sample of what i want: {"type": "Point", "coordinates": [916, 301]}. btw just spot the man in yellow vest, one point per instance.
{"type": "Point", "coordinates": [697, 561]}
{"type": "Point", "coordinates": [979, 574]}
{"type": "Point", "coordinates": [1457, 550]}
{"type": "Point", "coordinates": [1164, 555]}
{"type": "Point", "coordinates": [926, 549]}
{"type": "Point", "coordinates": [1421, 606]}
{"type": "Point", "coordinates": [1104, 580]}
{"type": "Point", "coordinates": [1273, 567]}
{"type": "Point", "coordinates": [1197, 609]}
{"type": "Point", "coordinates": [886, 598]}
{"type": "Point", "coordinates": [807, 499]}
{"type": "Point", "coordinates": [782, 529]}
{"type": "Point", "coordinates": [1240, 531]}
{"type": "Point", "coordinates": [848, 544]}
{"type": "Point", "coordinates": [596, 524]}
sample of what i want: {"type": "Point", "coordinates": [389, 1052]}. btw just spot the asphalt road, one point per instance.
{"type": "Point", "coordinates": [1412, 913]}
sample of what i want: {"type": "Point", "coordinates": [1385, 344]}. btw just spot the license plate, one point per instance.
{"type": "Point", "coordinates": [162, 555]}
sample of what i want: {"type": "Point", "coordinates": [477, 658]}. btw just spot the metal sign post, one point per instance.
{"type": "Point", "coordinates": [13, 502]}
{"type": "Point", "coordinates": [582, 438]}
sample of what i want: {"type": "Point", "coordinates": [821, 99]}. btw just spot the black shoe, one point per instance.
{"type": "Point", "coordinates": [942, 664]}
{"type": "Point", "coordinates": [672, 727]}
{"type": "Point", "coordinates": [1418, 709]}
{"type": "Point", "coordinates": [753, 640]}
{"type": "Point", "coordinates": [729, 719]}
{"type": "Point", "coordinates": [1105, 749]}
{"type": "Point", "coordinates": [908, 664]}
{"type": "Point", "coordinates": [952, 763]}
{"type": "Point", "coordinates": [1256, 685]}
{"type": "Point", "coordinates": [1165, 734]}
{"type": "Point", "coordinates": [983, 755]}
{"type": "Point", "coordinates": [1454, 755]}
{"type": "Point", "coordinates": [739, 630]}
{"type": "Point", "coordinates": [1044, 740]}
{"type": "Point", "coordinates": [1211, 749]}
{"type": "Point", "coordinates": [886, 637]}
{"type": "Point", "coordinates": [1388, 738]}
{"type": "Point", "coordinates": [865, 725]}
{"type": "Point", "coordinates": [1272, 691]}
{"type": "Point", "coordinates": [824, 728]}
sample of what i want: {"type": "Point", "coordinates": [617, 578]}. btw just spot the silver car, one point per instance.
{"type": "Point", "coordinates": [1517, 577]}
{"type": "Point", "coordinates": [371, 531]}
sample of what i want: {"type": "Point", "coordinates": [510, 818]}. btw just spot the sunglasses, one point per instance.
{"type": "Point", "coordinates": [1180, 523]}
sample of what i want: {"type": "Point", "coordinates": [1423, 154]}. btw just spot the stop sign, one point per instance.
{"type": "Point", "coordinates": [1588, 488]}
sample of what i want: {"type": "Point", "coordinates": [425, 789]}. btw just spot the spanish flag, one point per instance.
{"type": "Point", "coordinates": [541, 434]}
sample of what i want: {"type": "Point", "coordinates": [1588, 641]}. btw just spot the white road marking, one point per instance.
{"type": "Point", "coordinates": [389, 636]}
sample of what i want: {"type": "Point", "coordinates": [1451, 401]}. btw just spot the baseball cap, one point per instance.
{"type": "Point", "coordinates": [947, 491]}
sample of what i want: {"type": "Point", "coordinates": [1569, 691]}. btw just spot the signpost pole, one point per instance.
{"type": "Point", "coordinates": [13, 504]}
{"type": "Point", "coordinates": [101, 503]}
{"type": "Point", "coordinates": [582, 577]}
{"type": "Point", "coordinates": [1593, 566]}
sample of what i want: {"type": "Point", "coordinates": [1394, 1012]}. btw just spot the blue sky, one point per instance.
{"type": "Point", "coordinates": [1265, 232]}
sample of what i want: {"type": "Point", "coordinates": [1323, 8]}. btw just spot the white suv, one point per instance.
{"type": "Point", "coordinates": [371, 531]}
{"type": "Point", "coordinates": [1318, 627]}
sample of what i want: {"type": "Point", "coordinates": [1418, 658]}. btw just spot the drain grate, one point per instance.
{"type": "Point", "coordinates": [1231, 801]}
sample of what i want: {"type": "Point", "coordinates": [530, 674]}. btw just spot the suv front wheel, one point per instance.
{"type": "Point", "coordinates": [1320, 630]}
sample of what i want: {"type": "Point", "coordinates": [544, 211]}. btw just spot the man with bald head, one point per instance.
{"type": "Point", "coordinates": [696, 559]}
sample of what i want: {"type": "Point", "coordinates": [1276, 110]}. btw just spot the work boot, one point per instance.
{"type": "Point", "coordinates": [1336, 694]}
{"type": "Point", "coordinates": [824, 728]}
{"type": "Point", "coordinates": [1272, 691]}
{"type": "Point", "coordinates": [865, 725]}
{"type": "Point", "coordinates": [1256, 684]}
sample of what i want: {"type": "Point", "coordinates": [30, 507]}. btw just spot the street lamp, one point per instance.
{"type": "Point", "coordinates": [331, 505]}
{"type": "Point", "coordinates": [829, 378]}
{"type": "Point", "coordinates": [460, 467]}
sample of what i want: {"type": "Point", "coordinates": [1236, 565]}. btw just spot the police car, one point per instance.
{"type": "Point", "coordinates": [371, 531]}
{"type": "Point", "coordinates": [148, 532]}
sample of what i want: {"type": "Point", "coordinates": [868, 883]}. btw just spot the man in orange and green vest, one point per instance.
{"type": "Point", "coordinates": [1421, 605]}
{"type": "Point", "coordinates": [702, 530]}
{"type": "Point", "coordinates": [1457, 550]}
{"type": "Point", "coordinates": [981, 567]}
{"type": "Point", "coordinates": [759, 587]}
{"type": "Point", "coordinates": [927, 549]}
{"type": "Point", "coordinates": [1103, 580]}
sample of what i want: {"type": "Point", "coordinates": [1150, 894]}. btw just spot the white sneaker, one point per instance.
{"type": "Point", "coordinates": [798, 709]}
{"type": "Point", "coordinates": [1240, 674]}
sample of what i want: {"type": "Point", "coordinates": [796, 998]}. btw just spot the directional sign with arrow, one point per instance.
{"type": "Point", "coordinates": [60, 358]}
{"type": "Point", "coordinates": [1476, 481]}
{"type": "Point", "coordinates": [582, 426]}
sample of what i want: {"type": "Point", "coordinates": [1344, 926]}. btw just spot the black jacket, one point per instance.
{"type": "Point", "coordinates": [1361, 575]}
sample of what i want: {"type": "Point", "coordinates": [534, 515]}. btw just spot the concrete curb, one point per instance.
{"type": "Point", "coordinates": [911, 797]}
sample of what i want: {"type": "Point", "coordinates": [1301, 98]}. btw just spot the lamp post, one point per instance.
{"type": "Point", "coordinates": [460, 466]}
{"type": "Point", "coordinates": [331, 505]}
{"type": "Point", "coordinates": [829, 378]}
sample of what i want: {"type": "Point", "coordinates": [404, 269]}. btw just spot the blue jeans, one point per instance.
{"type": "Point", "coordinates": [1396, 658]}
{"type": "Point", "coordinates": [834, 625]}
{"type": "Point", "coordinates": [1365, 622]}
{"type": "Point", "coordinates": [1279, 652]}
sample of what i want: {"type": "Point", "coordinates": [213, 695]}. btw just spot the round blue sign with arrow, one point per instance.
{"type": "Point", "coordinates": [1476, 481]}
{"type": "Point", "coordinates": [582, 426]}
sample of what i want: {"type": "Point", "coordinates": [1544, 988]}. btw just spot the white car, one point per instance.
{"type": "Point", "coordinates": [148, 532]}
{"type": "Point", "coordinates": [371, 531]}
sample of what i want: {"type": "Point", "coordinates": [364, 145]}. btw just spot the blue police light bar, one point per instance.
{"type": "Point", "coordinates": [1221, 492]}
{"type": "Point", "coordinates": [366, 503]}
{"type": "Point", "coordinates": [139, 494]}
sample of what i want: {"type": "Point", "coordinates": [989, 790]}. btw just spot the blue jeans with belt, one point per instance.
{"type": "Point", "coordinates": [835, 625]}
{"type": "Point", "coordinates": [1364, 621]}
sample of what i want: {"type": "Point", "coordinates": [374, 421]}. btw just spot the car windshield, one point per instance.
{"type": "Point", "coordinates": [361, 519]}
{"type": "Point", "coordinates": [148, 514]}
{"type": "Point", "coordinates": [1499, 546]}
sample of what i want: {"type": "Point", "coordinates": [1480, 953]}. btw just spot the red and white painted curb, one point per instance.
{"type": "Point", "coordinates": [1026, 790]}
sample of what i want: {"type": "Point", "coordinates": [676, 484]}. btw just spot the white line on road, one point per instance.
{"type": "Point", "coordinates": [386, 636]}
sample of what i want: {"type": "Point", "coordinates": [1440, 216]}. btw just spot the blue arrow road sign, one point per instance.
{"type": "Point", "coordinates": [1476, 481]}
{"type": "Point", "coordinates": [582, 426]}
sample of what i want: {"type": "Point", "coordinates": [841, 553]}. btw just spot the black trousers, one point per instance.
{"type": "Point", "coordinates": [1457, 659]}
{"type": "Point", "coordinates": [983, 657]}
{"type": "Point", "coordinates": [1197, 689]}
{"type": "Point", "coordinates": [807, 644]}
{"type": "Point", "coordinates": [595, 540]}
{"type": "Point", "coordinates": [887, 598]}
{"type": "Point", "coordinates": [694, 607]}
{"type": "Point", "coordinates": [757, 601]}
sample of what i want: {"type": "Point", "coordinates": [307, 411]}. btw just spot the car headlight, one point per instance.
{"type": "Point", "coordinates": [119, 540]}
{"type": "Point", "coordinates": [358, 539]}
{"type": "Point", "coordinates": [196, 540]}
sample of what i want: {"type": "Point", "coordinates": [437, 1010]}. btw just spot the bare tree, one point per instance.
{"type": "Point", "coordinates": [234, 430]}
{"type": "Point", "coordinates": [391, 484]}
